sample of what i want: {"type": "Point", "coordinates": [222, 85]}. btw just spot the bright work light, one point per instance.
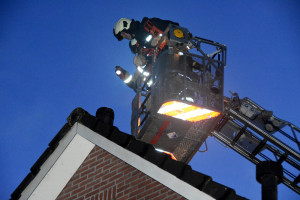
{"type": "Point", "coordinates": [186, 112]}
{"type": "Point", "coordinates": [118, 72]}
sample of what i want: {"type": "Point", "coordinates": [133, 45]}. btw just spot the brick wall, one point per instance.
{"type": "Point", "coordinates": [104, 176]}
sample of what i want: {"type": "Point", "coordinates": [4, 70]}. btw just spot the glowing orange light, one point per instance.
{"type": "Point", "coordinates": [166, 152]}
{"type": "Point", "coordinates": [186, 112]}
{"type": "Point", "coordinates": [172, 156]}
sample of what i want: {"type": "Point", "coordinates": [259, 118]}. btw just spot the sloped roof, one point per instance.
{"type": "Point", "coordinates": [125, 147]}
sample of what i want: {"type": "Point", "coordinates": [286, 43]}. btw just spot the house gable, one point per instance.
{"type": "Point", "coordinates": [143, 161]}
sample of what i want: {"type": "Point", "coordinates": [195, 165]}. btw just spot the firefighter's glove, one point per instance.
{"type": "Point", "coordinates": [139, 60]}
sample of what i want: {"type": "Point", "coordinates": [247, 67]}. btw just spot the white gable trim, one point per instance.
{"type": "Point", "coordinates": [160, 175]}
{"type": "Point", "coordinates": [59, 168]}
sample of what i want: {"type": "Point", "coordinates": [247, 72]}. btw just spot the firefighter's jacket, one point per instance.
{"type": "Point", "coordinates": [149, 26]}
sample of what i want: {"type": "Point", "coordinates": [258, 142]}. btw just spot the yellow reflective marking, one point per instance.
{"type": "Point", "coordinates": [186, 112]}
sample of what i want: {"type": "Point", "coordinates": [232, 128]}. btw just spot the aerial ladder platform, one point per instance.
{"type": "Point", "coordinates": [182, 103]}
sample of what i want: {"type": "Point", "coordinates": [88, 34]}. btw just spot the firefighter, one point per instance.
{"type": "Point", "coordinates": [143, 38]}
{"type": "Point", "coordinates": [146, 32]}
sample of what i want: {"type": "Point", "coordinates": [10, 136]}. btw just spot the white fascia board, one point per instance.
{"type": "Point", "coordinates": [160, 175]}
{"type": "Point", "coordinates": [59, 168]}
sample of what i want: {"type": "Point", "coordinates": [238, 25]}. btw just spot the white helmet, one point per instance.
{"type": "Point", "coordinates": [122, 24]}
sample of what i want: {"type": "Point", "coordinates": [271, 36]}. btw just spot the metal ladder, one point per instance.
{"type": "Point", "coordinates": [241, 134]}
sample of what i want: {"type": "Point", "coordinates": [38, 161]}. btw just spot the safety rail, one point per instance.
{"type": "Point", "coordinates": [188, 72]}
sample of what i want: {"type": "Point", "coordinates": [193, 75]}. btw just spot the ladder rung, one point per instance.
{"type": "Point", "coordinates": [238, 135]}
{"type": "Point", "coordinates": [146, 116]}
{"type": "Point", "coordinates": [259, 147]}
{"type": "Point", "coordinates": [282, 158]}
{"type": "Point", "coordinates": [297, 180]}
{"type": "Point", "coordinates": [144, 102]}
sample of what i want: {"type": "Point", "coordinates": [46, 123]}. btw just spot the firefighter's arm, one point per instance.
{"type": "Point", "coordinates": [126, 77]}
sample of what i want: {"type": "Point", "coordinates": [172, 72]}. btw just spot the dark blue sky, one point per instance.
{"type": "Point", "coordinates": [59, 55]}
